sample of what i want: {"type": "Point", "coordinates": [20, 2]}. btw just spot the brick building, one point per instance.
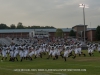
{"type": "Point", "coordinates": [24, 33]}
{"type": "Point", "coordinates": [91, 34]}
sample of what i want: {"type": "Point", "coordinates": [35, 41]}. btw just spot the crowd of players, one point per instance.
{"type": "Point", "coordinates": [52, 48]}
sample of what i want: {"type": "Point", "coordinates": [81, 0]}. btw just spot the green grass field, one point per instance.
{"type": "Point", "coordinates": [80, 64]}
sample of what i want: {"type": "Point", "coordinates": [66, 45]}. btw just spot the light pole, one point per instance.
{"type": "Point", "coordinates": [83, 6]}
{"type": "Point", "coordinates": [91, 31]}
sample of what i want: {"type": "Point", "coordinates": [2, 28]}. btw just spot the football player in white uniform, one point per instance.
{"type": "Point", "coordinates": [4, 50]}
{"type": "Point", "coordinates": [66, 53]}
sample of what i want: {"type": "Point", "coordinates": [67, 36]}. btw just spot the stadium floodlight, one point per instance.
{"type": "Point", "coordinates": [84, 6]}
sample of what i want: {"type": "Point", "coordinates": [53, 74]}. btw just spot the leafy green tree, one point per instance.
{"type": "Point", "coordinates": [98, 33]}
{"type": "Point", "coordinates": [59, 33]}
{"type": "Point", "coordinates": [12, 26]}
{"type": "Point", "coordinates": [29, 27]}
{"type": "Point", "coordinates": [40, 27]}
{"type": "Point", "coordinates": [20, 26]}
{"type": "Point", "coordinates": [50, 27]}
{"type": "Point", "coordinates": [35, 27]}
{"type": "Point", "coordinates": [72, 33]}
{"type": "Point", "coordinates": [3, 26]}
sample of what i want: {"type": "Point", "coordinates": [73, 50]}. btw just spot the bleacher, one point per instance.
{"type": "Point", "coordinates": [4, 41]}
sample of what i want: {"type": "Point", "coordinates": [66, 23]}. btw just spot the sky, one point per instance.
{"type": "Point", "coordinates": [57, 13]}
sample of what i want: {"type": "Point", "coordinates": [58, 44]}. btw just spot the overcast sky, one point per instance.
{"type": "Point", "coordinates": [57, 13]}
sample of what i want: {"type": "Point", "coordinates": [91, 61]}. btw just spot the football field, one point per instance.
{"type": "Point", "coordinates": [42, 66]}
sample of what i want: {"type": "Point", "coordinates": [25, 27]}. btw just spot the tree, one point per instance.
{"type": "Point", "coordinates": [59, 33]}
{"type": "Point", "coordinates": [27, 27]}
{"type": "Point", "coordinates": [12, 26]}
{"type": "Point", "coordinates": [40, 27]}
{"type": "Point", "coordinates": [98, 33]}
{"type": "Point", "coordinates": [3, 26]}
{"type": "Point", "coordinates": [20, 26]}
{"type": "Point", "coordinates": [35, 27]}
{"type": "Point", "coordinates": [72, 33]}
{"type": "Point", "coordinates": [50, 27]}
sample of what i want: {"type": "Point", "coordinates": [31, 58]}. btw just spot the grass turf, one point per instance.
{"type": "Point", "coordinates": [90, 64]}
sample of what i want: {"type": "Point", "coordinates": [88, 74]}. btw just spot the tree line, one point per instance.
{"type": "Point", "coordinates": [21, 26]}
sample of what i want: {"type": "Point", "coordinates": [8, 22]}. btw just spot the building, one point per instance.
{"type": "Point", "coordinates": [26, 33]}
{"type": "Point", "coordinates": [91, 34]}
{"type": "Point", "coordinates": [39, 34]}
{"type": "Point", "coordinates": [80, 30]}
